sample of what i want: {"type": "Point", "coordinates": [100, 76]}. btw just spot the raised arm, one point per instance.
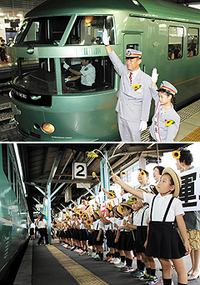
{"type": "Point", "coordinates": [126, 187]}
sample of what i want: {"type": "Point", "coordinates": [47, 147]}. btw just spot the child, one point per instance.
{"type": "Point", "coordinates": [125, 238]}
{"type": "Point", "coordinates": [165, 122]}
{"type": "Point", "coordinates": [164, 241]}
{"type": "Point", "coordinates": [140, 220]}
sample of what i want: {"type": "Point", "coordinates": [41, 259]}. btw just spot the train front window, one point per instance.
{"type": "Point", "coordinates": [88, 30]}
{"type": "Point", "coordinates": [193, 42]}
{"type": "Point", "coordinates": [44, 30]}
{"type": "Point", "coordinates": [175, 45]}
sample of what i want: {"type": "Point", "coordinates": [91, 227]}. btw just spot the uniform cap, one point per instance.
{"type": "Point", "coordinates": [132, 53]}
{"type": "Point", "coordinates": [167, 87]}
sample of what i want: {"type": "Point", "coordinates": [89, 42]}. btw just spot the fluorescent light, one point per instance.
{"type": "Point", "coordinates": [19, 166]}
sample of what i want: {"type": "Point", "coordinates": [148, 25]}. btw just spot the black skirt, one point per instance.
{"type": "Point", "coordinates": [75, 234]}
{"type": "Point", "coordinates": [83, 234]}
{"type": "Point", "coordinates": [141, 236]}
{"type": "Point", "coordinates": [126, 241]}
{"type": "Point", "coordinates": [164, 241]}
{"type": "Point", "coordinates": [110, 235]}
{"type": "Point", "coordinates": [32, 231]}
{"type": "Point", "coordinates": [95, 242]}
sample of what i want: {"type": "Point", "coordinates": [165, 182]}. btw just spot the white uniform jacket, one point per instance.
{"type": "Point", "coordinates": [133, 104]}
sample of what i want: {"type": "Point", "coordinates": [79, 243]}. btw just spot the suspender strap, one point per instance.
{"type": "Point", "coordinates": [152, 208]}
{"type": "Point", "coordinates": [143, 215]}
{"type": "Point", "coordinates": [167, 210]}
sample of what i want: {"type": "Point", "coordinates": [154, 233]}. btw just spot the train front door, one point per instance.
{"type": "Point", "coordinates": [132, 40]}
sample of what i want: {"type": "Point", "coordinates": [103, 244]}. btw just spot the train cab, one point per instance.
{"type": "Point", "coordinates": [51, 102]}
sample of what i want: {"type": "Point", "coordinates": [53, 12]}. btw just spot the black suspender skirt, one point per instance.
{"type": "Point", "coordinates": [164, 240]}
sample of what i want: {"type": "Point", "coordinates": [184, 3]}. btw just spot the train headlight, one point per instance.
{"type": "Point", "coordinates": [48, 128]}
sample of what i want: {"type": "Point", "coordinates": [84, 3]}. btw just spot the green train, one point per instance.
{"type": "Point", "coordinates": [14, 216]}
{"type": "Point", "coordinates": [65, 31]}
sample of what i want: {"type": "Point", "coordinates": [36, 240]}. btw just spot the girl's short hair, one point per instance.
{"type": "Point", "coordinates": [186, 156]}
{"type": "Point", "coordinates": [160, 168]}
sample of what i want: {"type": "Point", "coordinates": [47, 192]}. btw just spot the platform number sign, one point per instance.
{"type": "Point", "coordinates": [79, 170]}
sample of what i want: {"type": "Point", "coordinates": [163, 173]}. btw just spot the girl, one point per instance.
{"type": "Point", "coordinates": [163, 239]}
{"type": "Point", "coordinates": [125, 238]}
{"type": "Point", "coordinates": [165, 123]}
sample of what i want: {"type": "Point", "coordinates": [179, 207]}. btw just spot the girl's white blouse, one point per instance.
{"type": "Point", "coordinates": [160, 206]}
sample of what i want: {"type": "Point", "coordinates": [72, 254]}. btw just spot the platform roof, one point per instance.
{"type": "Point", "coordinates": [44, 163]}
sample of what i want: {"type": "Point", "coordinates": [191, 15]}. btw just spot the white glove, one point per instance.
{"type": "Point", "coordinates": [106, 38]}
{"type": "Point", "coordinates": [66, 80]}
{"type": "Point", "coordinates": [66, 66]}
{"type": "Point", "coordinates": [154, 75]}
{"type": "Point", "coordinates": [143, 126]}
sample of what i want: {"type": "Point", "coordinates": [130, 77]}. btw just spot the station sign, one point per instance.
{"type": "Point", "coordinates": [79, 170]}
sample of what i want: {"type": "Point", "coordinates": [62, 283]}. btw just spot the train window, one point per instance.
{"type": "Point", "coordinates": [97, 74]}
{"type": "Point", "coordinates": [193, 42]}
{"type": "Point", "coordinates": [21, 31]}
{"type": "Point", "coordinates": [175, 44]}
{"type": "Point", "coordinates": [44, 30]}
{"type": "Point", "coordinates": [88, 30]}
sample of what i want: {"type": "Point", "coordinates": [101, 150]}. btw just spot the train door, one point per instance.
{"type": "Point", "coordinates": [132, 40]}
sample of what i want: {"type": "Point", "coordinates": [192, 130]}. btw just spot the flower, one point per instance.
{"type": "Point", "coordinates": [91, 154]}
{"type": "Point", "coordinates": [176, 154]}
{"type": "Point", "coordinates": [84, 216]}
{"type": "Point", "coordinates": [169, 123]}
{"type": "Point", "coordinates": [109, 206]}
{"type": "Point", "coordinates": [88, 222]}
{"type": "Point", "coordinates": [80, 212]}
{"type": "Point", "coordinates": [136, 87]}
{"type": "Point", "coordinates": [142, 173]}
{"type": "Point", "coordinates": [93, 174]}
{"type": "Point", "coordinates": [111, 194]}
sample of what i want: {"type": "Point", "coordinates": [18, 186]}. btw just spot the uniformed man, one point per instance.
{"type": "Point", "coordinates": [87, 74]}
{"type": "Point", "coordinates": [134, 97]}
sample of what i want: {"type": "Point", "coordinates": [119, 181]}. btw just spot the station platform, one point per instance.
{"type": "Point", "coordinates": [54, 264]}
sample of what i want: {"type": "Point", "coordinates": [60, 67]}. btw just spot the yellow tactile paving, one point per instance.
{"type": "Point", "coordinates": [80, 274]}
{"type": "Point", "coordinates": [194, 136]}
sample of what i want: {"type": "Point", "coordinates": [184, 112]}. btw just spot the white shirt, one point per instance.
{"type": "Point", "coordinates": [41, 224]}
{"type": "Point", "coordinates": [160, 206]}
{"type": "Point", "coordinates": [32, 226]}
{"type": "Point", "coordinates": [134, 73]}
{"type": "Point", "coordinates": [138, 217]}
{"type": "Point", "coordinates": [88, 74]}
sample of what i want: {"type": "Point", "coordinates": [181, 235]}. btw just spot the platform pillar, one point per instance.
{"type": "Point", "coordinates": [49, 211]}
{"type": "Point", "coordinates": [104, 172]}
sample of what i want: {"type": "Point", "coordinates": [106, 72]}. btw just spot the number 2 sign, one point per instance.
{"type": "Point", "coordinates": [79, 170]}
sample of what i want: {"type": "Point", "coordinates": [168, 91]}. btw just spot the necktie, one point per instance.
{"type": "Point", "coordinates": [130, 78]}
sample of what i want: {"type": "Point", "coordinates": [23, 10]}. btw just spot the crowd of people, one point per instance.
{"type": "Point", "coordinates": [148, 222]}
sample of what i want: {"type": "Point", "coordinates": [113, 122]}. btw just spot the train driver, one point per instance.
{"type": "Point", "coordinates": [134, 97]}
{"type": "Point", "coordinates": [87, 74]}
